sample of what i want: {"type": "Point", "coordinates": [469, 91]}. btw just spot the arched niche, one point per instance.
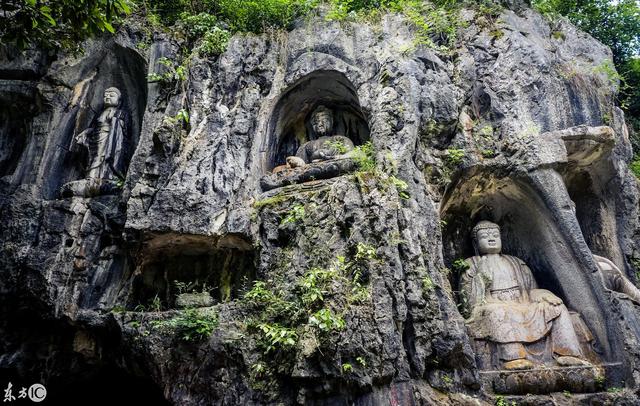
{"type": "Point", "coordinates": [530, 230]}
{"type": "Point", "coordinates": [114, 66]}
{"type": "Point", "coordinates": [289, 125]}
{"type": "Point", "coordinates": [590, 189]}
{"type": "Point", "coordinates": [223, 267]}
{"type": "Point", "coordinates": [19, 103]}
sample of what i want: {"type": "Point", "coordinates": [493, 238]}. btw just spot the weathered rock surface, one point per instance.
{"type": "Point", "coordinates": [519, 127]}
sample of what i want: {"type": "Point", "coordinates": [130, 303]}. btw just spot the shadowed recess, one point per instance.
{"type": "Point", "coordinates": [289, 124]}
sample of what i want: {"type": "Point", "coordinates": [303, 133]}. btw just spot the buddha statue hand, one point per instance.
{"type": "Point", "coordinates": [543, 295]}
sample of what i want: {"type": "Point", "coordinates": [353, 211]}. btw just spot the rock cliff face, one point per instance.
{"type": "Point", "coordinates": [518, 125]}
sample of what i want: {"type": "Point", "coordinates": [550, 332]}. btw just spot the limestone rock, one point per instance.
{"type": "Point", "coordinates": [518, 128]}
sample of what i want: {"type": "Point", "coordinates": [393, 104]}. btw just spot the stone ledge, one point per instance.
{"type": "Point", "coordinates": [618, 397]}
{"type": "Point", "coordinates": [580, 379]}
{"type": "Point", "coordinates": [309, 172]}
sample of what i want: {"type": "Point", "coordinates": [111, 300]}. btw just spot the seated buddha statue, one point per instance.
{"type": "Point", "coordinates": [325, 145]}
{"type": "Point", "coordinates": [507, 309]}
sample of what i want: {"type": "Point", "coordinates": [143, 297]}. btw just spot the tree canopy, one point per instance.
{"type": "Point", "coordinates": [57, 23]}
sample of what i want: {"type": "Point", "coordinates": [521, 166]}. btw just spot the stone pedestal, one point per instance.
{"type": "Point", "coordinates": [313, 171]}
{"type": "Point", "coordinates": [580, 379]}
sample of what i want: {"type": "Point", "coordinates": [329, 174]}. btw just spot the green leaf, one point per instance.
{"type": "Point", "coordinates": [109, 27]}
{"type": "Point", "coordinates": [45, 12]}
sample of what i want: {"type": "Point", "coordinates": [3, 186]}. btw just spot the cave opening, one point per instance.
{"type": "Point", "coordinates": [14, 129]}
{"type": "Point", "coordinates": [19, 104]}
{"type": "Point", "coordinates": [108, 385]}
{"type": "Point", "coordinates": [191, 271]}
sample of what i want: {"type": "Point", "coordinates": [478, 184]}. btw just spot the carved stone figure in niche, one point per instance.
{"type": "Point", "coordinates": [325, 156]}
{"type": "Point", "coordinates": [106, 144]}
{"type": "Point", "coordinates": [615, 280]}
{"type": "Point", "coordinates": [612, 277]}
{"type": "Point", "coordinates": [325, 145]}
{"type": "Point", "coordinates": [507, 308]}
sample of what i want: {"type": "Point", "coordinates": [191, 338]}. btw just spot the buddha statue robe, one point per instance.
{"type": "Point", "coordinates": [507, 308]}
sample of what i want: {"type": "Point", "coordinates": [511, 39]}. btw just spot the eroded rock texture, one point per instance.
{"type": "Point", "coordinates": [519, 128]}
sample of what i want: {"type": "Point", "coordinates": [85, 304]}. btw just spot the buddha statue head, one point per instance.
{"type": "Point", "coordinates": [486, 238]}
{"type": "Point", "coordinates": [112, 97]}
{"type": "Point", "coordinates": [322, 121]}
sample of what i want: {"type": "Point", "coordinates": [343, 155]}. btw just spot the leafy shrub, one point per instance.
{"type": "Point", "coordinates": [364, 156]}
{"type": "Point", "coordinates": [281, 316]}
{"type": "Point", "coordinates": [296, 214]}
{"type": "Point", "coordinates": [166, 12]}
{"type": "Point", "coordinates": [337, 146]}
{"type": "Point", "coordinates": [460, 265]}
{"type": "Point", "coordinates": [214, 42]}
{"type": "Point", "coordinates": [326, 320]}
{"type": "Point", "coordinates": [401, 186]}
{"type": "Point", "coordinates": [454, 156]}
{"type": "Point", "coordinates": [437, 22]}
{"type": "Point", "coordinates": [427, 283]}
{"type": "Point", "coordinates": [174, 73]}
{"type": "Point", "coordinates": [616, 24]}
{"type": "Point", "coordinates": [191, 324]}
{"type": "Point", "coordinates": [314, 284]}
{"type": "Point", "coordinates": [258, 15]}
{"type": "Point", "coordinates": [278, 337]}
{"type": "Point", "coordinates": [196, 26]}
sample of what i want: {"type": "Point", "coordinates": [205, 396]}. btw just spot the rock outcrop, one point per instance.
{"type": "Point", "coordinates": [515, 125]}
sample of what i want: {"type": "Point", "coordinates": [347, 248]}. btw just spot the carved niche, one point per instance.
{"type": "Point", "coordinates": [314, 128]}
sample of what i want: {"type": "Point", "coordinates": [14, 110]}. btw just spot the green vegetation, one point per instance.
{"type": "Point", "coordinates": [501, 401]}
{"type": "Point", "coordinates": [296, 214]}
{"type": "Point", "coordinates": [488, 153]}
{"type": "Point", "coordinates": [436, 22]}
{"type": "Point", "coordinates": [118, 309]}
{"type": "Point", "coordinates": [609, 71]}
{"type": "Point", "coordinates": [614, 23]}
{"type": "Point", "coordinates": [270, 201]}
{"type": "Point", "coordinates": [208, 24]}
{"type": "Point", "coordinates": [427, 284]}
{"type": "Point", "coordinates": [454, 156]}
{"type": "Point", "coordinates": [401, 186]}
{"type": "Point", "coordinates": [58, 23]}
{"type": "Point", "coordinates": [365, 157]}
{"type": "Point", "coordinates": [214, 42]}
{"type": "Point", "coordinates": [635, 166]}
{"type": "Point", "coordinates": [309, 310]}
{"type": "Point", "coordinates": [447, 379]}
{"type": "Point", "coordinates": [337, 145]}
{"type": "Point", "coordinates": [190, 324]}
{"type": "Point", "coordinates": [174, 72]}
{"type": "Point", "coordinates": [460, 265]}
{"type": "Point", "coordinates": [181, 117]}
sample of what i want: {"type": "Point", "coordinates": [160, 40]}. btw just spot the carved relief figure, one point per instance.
{"type": "Point", "coordinates": [507, 308]}
{"type": "Point", "coordinates": [325, 145]}
{"type": "Point", "coordinates": [612, 277]}
{"type": "Point", "coordinates": [106, 144]}
{"type": "Point", "coordinates": [615, 280]}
